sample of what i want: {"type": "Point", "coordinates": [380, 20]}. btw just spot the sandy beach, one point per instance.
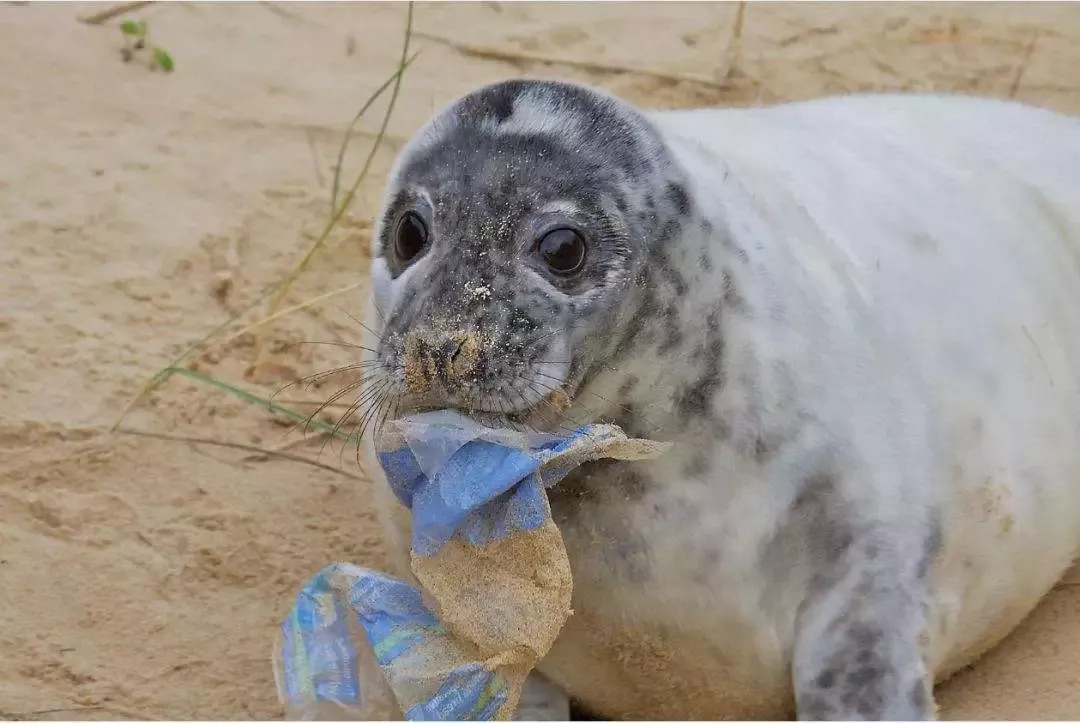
{"type": "Point", "coordinates": [143, 577]}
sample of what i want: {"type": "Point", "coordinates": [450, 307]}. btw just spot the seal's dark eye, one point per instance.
{"type": "Point", "coordinates": [563, 250]}
{"type": "Point", "coordinates": [410, 236]}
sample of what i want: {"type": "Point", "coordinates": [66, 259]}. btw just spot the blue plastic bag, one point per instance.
{"type": "Point", "coordinates": [357, 638]}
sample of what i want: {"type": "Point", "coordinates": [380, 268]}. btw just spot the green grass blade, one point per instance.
{"type": "Point", "coordinates": [281, 286]}
{"type": "Point", "coordinates": [256, 400]}
{"type": "Point", "coordinates": [352, 124]}
{"type": "Point", "coordinates": [340, 211]}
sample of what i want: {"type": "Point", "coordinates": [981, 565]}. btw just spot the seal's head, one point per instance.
{"type": "Point", "coordinates": [513, 229]}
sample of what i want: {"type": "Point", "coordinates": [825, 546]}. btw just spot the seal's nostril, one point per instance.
{"type": "Point", "coordinates": [448, 360]}
{"type": "Point", "coordinates": [455, 347]}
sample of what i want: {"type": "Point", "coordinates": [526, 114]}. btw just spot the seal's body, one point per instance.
{"type": "Point", "coordinates": [857, 318]}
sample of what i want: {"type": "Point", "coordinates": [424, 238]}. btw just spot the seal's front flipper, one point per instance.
{"type": "Point", "coordinates": [857, 644]}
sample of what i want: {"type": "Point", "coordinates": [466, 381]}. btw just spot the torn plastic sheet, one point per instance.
{"type": "Point", "coordinates": [495, 579]}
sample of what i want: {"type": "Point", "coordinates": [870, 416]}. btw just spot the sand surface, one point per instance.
{"type": "Point", "coordinates": [145, 578]}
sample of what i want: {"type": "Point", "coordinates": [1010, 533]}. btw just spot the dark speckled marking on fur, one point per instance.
{"type": "Point", "coordinates": [866, 618]}
{"type": "Point", "coordinates": [498, 105]}
{"type": "Point", "coordinates": [678, 197]}
{"type": "Point", "coordinates": [673, 332]}
{"type": "Point", "coordinates": [479, 179]}
{"type": "Point", "coordinates": [595, 482]}
{"type": "Point", "coordinates": [633, 421]}
{"type": "Point", "coordinates": [931, 548]}
{"type": "Point", "coordinates": [582, 498]}
{"type": "Point", "coordinates": [630, 555]}
{"type": "Point", "coordinates": [861, 679]}
{"type": "Point", "coordinates": [670, 276]}
{"type": "Point", "coordinates": [573, 491]}
{"type": "Point", "coordinates": [698, 465]}
{"type": "Point", "coordinates": [629, 482]}
{"type": "Point", "coordinates": [816, 512]}
{"type": "Point", "coordinates": [733, 299]}
{"type": "Point", "coordinates": [695, 400]}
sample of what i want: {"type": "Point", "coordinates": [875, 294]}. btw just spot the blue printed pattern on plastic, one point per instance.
{"type": "Point", "coordinates": [483, 491]}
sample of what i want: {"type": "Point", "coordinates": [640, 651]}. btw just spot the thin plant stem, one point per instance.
{"type": "Point", "coordinates": [356, 119]}
{"type": "Point", "coordinates": [236, 445]}
{"type": "Point", "coordinates": [162, 374]}
{"type": "Point", "coordinates": [256, 400]}
{"type": "Point", "coordinates": [111, 12]}
{"type": "Point", "coordinates": [292, 310]}
{"type": "Point", "coordinates": [282, 290]}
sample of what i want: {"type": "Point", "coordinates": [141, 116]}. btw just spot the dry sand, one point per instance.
{"type": "Point", "coordinates": [145, 578]}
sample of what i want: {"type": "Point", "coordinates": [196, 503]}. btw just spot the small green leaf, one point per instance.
{"type": "Point", "coordinates": [129, 27]}
{"type": "Point", "coordinates": [163, 59]}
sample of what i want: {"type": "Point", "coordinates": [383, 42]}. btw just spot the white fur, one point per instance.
{"type": "Point", "coordinates": [936, 335]}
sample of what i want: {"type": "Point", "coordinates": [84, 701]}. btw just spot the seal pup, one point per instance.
{"type": "Point", "coordinates": [857, 319]}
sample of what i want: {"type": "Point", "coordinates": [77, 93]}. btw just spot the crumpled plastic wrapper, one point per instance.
{"type": "Point", "coordinates": [495, 578]}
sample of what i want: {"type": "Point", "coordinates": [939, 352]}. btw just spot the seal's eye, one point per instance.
{"type": "Point", "coordinates": [563, 250]}
{"type": "Point", "coordinates": [410, 236]}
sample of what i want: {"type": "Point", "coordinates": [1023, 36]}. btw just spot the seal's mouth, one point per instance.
{"type": "Point", "coordinates": [542, 415]}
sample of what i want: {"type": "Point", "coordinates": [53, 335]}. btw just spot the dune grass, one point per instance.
{"type": "Point", "coordinates": [276, 293]}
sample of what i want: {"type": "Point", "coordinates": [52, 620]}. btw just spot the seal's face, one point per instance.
{"type": "Point", "coordinates": [506, 250]}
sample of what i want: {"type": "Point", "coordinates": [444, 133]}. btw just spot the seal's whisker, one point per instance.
{"type": "Point", "coordinates": [366, 405]}
{"type": "Point", "coordinates": [362, 399]}
{"type": "Point", "coordinates": [386, 413]}
{"type": "Point", "coordinates": [551, 333]}
{"type": "Point", "coordinates": [376, 409]}
{"type": "Point", "coordinates": [391, 413]}
{"type": "Point", "coordinates": [369, 407]}
{"type": "Point", "coordinates": [589, 411]}
{"type": "Point", "coordinates": [505, 409]}
{"type": "Point", "coordinates": [542, 391]}
{"type": "Point", "coordinates": [514, 417]}
{"type": "Point", "coordinates": [486, 403]}
{"type": "Point", "coordinates": [524, 401]}
{"type": "Point", "coordinates": [333, 398]}
{"type": "Point", "coordinates": [377, 335]}
{"type": "Point", "coordinates": [351, 386]}
{"type": "Point", "coordinates": [549, 406]}
{"type": "Point", "coordinates": [338, 395]}
{"type": "Point", "coordinates": [571, 361]}
{"type": "Point", "coordinates": [375, 306]}
{"type": "Point", "coordinates": [340, 422]}
{"type": "Point", "coordinates": [374, 404]}
{"type": "Point", "coordinates": [539, 406]}
{"type": "Point", "coordinates": [319, 376]}
{"type": "Point", "coordinates": [344, 344]}
{"type": "Point", "coordinates": [598, 396]}
{"type": "Point", "coordinates": [312, 379]}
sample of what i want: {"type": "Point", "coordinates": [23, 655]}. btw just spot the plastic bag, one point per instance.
{"type": "Point", "coordinates": [495, 579]}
